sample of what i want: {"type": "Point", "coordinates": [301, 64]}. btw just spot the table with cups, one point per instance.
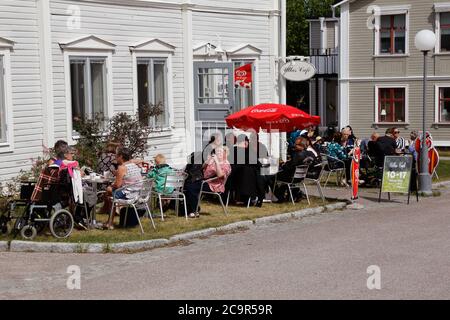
{"type": "Point", "coordinates": [95, 180]}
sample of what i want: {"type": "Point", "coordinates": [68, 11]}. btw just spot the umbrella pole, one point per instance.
{"type": "Point", "coordinates": [270, 140]}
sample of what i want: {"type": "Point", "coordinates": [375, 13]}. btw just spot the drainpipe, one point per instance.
{"type": "Point", "coordinates": [282, 80]}
{"type": "Point", "coordinates": [283, 34]}
{"type": "Point", "coordinates": [323, 35]}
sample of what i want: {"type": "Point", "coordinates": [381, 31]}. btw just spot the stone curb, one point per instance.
{"type": "Point", "coordinates": [278, 218]}
{"type": "Point", "coordinates": [137, 245]}
{"type": "Point", "coordinates": [192, 235]}
{"type": "Point", "coordinates": [236, 225]}
{"type": "Point", "coordinates": [4, 246]}
{"type": "Point", "coordinates": [127, 247]}
{"type": "Point", "coordinates": [28, 246]}
{"type": "Point", "coordinates": [335, 206]}
{"type": "Point", "coordinates": [441, 184]}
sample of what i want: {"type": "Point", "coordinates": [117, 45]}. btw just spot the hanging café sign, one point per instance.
{"type": "Point", "coordinates": [298, 70]}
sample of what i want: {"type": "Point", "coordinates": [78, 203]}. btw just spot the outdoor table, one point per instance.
{"type": "Point", "coordinates": [95, 182]}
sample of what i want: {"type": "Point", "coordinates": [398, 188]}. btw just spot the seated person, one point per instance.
{"type": "Point", "coordinates": [372, 147]}
{"type": "Point", "coordinates": [386, 147]}
{"type": "Point", "coordinates": [107, 160]}
{"type": "Point", "coordinates": [242, 180]}
{"type": "Point", "coordinates": [159, 173]}
{"type": "Point", "coordinates": [50, 174]}
{"type": "Point", "coordinates": [335, 148]}
{"type": "Point", "coordinates": [337, 151]}
{"type": "Point", "coordinates": [59, 148]}
{"type": "Point", "coordinates": [128, 176]}
{"type": "Point", "coordinates": [216, 165]}
{"type": "Point", "coordinates": [315, 166]}
{"type": "Point", "coordinates": [258, 153]}
{"type": "Point", "coordinates": [301, 157]}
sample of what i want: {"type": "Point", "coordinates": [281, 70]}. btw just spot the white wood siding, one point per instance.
{"type": "Point", "coordinates": [18, 22]}
{"type": "Point", "coordinates": [248, 4]}
{"type": "Point", "coordinates": [123, 26]}
{"type": "Point", "coordinates": [207, 27]}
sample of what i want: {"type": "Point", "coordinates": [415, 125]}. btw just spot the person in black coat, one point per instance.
{"type": "Point", "coordinates": [242, 181]}
{"type": "Point", "coordinates": [302, 156]}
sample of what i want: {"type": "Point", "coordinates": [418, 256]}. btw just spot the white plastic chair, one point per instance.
{"type": "Point", "coordinates": [219, 195]}
{"type": "Point", "coordinates": [176, 182]}
{"type": "Point", "coordinates": [297, 182]}
{"type": "Point", "coordinates": [319, 179]}
{"type": "Point", "coordinates": [334, 165]}
{"type": "Point", "coordinates": [141, 199]}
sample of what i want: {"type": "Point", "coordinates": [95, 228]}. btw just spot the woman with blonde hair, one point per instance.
{"type": "Point", "coordinates": [216, 166]}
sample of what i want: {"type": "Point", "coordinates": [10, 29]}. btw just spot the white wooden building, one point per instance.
{"type": "Point", "coordinates": [63, 60]}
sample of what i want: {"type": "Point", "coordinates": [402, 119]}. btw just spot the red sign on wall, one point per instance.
{"type": "Point", "coordinates": [243, 76]}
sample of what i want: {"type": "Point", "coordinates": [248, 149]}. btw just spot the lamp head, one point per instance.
{"type": "Point", "coordinates": [425, 40]}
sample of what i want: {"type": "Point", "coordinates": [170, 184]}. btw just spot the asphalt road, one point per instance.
{"type": "Point", "coordinates": [321, 257]}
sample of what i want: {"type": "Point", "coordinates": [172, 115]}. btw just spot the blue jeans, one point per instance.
{"type": "Point", "coordinates": [119, 194]}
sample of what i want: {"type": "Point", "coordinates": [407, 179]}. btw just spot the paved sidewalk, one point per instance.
{"type": "Point", "coordinates": [320, 257]}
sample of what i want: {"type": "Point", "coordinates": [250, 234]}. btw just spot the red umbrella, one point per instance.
{"type": "Point", "coordinates": [272, 117]}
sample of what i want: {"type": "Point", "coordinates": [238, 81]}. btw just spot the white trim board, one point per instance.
{"type": "Point", "coordinates": [409, 78]}
{"type": "Point", "coordinates": [344, 66]}
{"type": "Point", "coordinates": [187, 5]}
{"type": "Point", "coordinates": [436, 102]}
{"type": "Point", "coordinates": [163, 56]}
{"type": "Point", "coordinates": [7, 146]}
{"type": "Point", "coordinates": [391, 10]}
{"type": "Point", "coordinates": [109, 110]}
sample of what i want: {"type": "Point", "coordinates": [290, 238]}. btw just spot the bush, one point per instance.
{"type": "Point", "coordinates": [130, 131]}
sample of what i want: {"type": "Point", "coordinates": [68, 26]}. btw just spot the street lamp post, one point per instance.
{"type": "Point", "coordinates": [425, 41]}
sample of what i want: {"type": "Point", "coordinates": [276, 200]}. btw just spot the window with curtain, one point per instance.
{"type": "Point", "coordinates": [152, 90]}
{"type": "Point", "coordinates": [88, 88]}
{"type": "Point", "coordinates": [444, 104]}
{"type": "Point", "coordinates": [393, 34]}
{"type": "Point", "coordinates": [243, 94]}
{"type": "Point", "coordinates": [2, 103]}
{"type": "Point", "coordinates": [445, 31]}
{"type": "Point", "coordinates": [391, 105]}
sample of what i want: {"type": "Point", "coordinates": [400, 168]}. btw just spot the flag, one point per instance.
{"type": "Point", "coordinates": [243, 76]}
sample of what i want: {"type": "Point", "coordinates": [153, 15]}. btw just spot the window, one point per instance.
{"type": "Point", "coordinates": [88, 88]}
{"type": "Point", "coordinates": [393, 33]}
{"type": "Point", "coordinates": [152, 90]}
{"type": "Point", "coordinates": [444, 104]}
{"type": "Point", "coordinates": [213, 86]}
{"type": "Point", "coordinates": [2, 103]}
{"type": "Point", "coordinates": [243, 88]}
{"type": "Point", "coordinates": [391, 105]}
{"type": "Point", "coordinates": [444, 31]}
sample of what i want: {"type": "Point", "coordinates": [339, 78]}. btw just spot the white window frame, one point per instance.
{"type": "Point", "coordinates": [167, 56]}
{"type": "Point", "coordinates": [438, 9]}
{"type": "Point", "coordinates": [248, 52]}
{"type": "Point", "coordinates": [8, 145]}
{"type": "Point", "coordinates": [387, 11]}
{"type": "Point", "coordinates": [109, 80]}
{"type": "Point", "coordinates": [437, 114]}
{"type": "Point", "coordinates": [392, 86]}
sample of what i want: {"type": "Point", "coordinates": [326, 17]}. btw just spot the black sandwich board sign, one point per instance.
{"type": "Point", "coordinates": [398, 176]}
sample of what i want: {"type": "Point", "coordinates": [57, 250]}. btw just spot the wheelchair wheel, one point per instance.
{"type": "Point", "coordinates": [61, 224]}
{"type": "Point", "coordinates": [28, 232]}
{"type": "Point", "coordinates": [19, 224]}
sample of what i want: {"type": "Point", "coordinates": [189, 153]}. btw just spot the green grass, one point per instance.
{"type": "Point", "coordinates": [443, 171]}
{"type": "Point", "coordinates": [211, 216]}
{"type": "Point", "coordinates": [444, 152]}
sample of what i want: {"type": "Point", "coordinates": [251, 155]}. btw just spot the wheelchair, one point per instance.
{"type": "Point", "coordinates": [51, 211]}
